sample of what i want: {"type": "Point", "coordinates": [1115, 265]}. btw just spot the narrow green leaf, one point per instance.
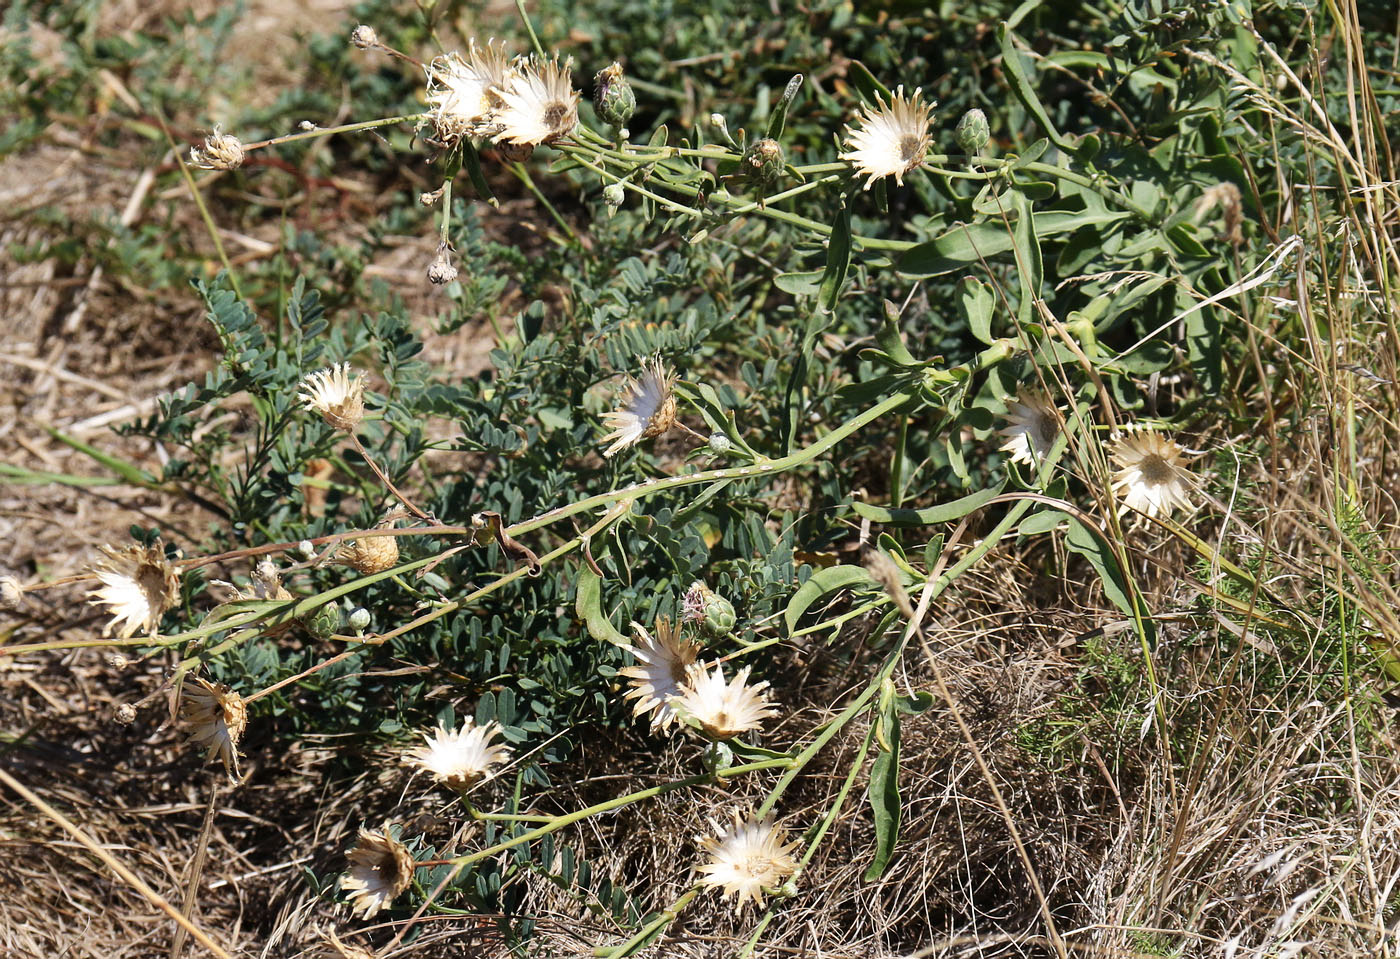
{"type": "Point", "coordinates": [779, 117]}
{"type": "Point", "coordinates": [132, 474]}
{"type": "Point", "coordinates": [472, 161]}
{"type": "Point", "coordinates": [884, 789]}
{"type": "Point", "coordinates": [978, 303]}
{"type": "Point", "coordinates": [800, 284]}
{"type": "Point", "coordinates": [962, 245]}
{"type": "Point", "coordinates": [945, 513]}
{"type": "Point", "coordinates": [838, 259]}
{"type": "Point", "coordinates": [1018, 76]}
{"type": "Point", "coordinates": [589, 604]}
{"type": "Point", "coordinates": [823, 581]}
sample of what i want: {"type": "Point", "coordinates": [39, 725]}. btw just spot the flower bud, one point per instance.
{"type": "Point", "coordinates": [763, 161]}
{"type": "Point", "coordinates": [720, 443]}
{"type": "Point", "coordinates": [306, 549]}
{"type": "Point", "coordinates": [358, 619]}
{"type": "Point", "coordinates": [613, 97]}
{"type": "Point", "coordinates": [442, 271]}
{"type": "Point", "coordinates": [613, 195]}
{"type": "Point", "coordinates": [717, 757]}
{"type": "Point", "coordinates": [972, 132]}
{"type": "Point", "coordinates": [324, 622]}
{"type": "Point", "coordinates": [117, 661]}
{"type": "Point", "coordinates": [364, 37]}
{"type": "Point", "coordinates": [709, 609]}
{"type": "Point", "coordinates": [125, 714]}
{"type": "Point", "coordinates": [219, 152]}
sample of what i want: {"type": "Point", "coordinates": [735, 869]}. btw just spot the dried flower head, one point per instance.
{"type": "Point", "coordinates": [138, 585]}
{"type": "Point", "coordinates": [125, 714]}
{"type": "Point", "coordinates": [372, 554]}
{"type": "Point", "coordinates": [380, 868]}
{"type": "Point", "coordinates": [364, 37]}
{"type": "Point", "coordinates": [648, 408]}
{"type": "Point", "coordinates": [891, 140]}
{"type": "Point", "coordinates": [460, 758]}
{"type": "Point", "coordinates": [1033, 425]}
{"type": "Point", "coordinates": [337, 395]}
{"type": "Point", "coordinates": [747, 859]}
{"type": "Point", "coordinates": [266, 584]}
{"type": "Point", "coordinates": [661, 667]}
{"type": "Point", "coordinates": [722, 710]}
{"type": "Point", "coordinates": [540, 104]}
{"type": "Point", "coordinates": [216, 717]}
{"type": "Point", "coordinates": [442, 270]}
{"type": "Point", "coordinates": [11, 592]}
{"type": "Point", "coordinates": [1151, 478]}
{"type": "Point", "coordinates": [465, 93]}
{"type": "Point", "coordinates": [220, 151]}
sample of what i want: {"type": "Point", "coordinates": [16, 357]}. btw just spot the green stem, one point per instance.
{"type": "Point", "coordinates": [643, 936]}
{"type": "Point", "coordinates": [767, 467]}
{"type": "Point", "coordinates": [608, 806]}
{"type": "Point", "coordinates": [330, 131]}
{"type": "Point", "coordinates": [529, 28]}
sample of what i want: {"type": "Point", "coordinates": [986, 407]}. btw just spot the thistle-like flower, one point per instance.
{"type": "Point", "coordinates": [465, 92]}
{"type": "Point", "coordinates": [1151, 478]}
{"type": "Point", "coordinates": [220, 151]}
{"type": "Point", "coordinates": [722, 710]}
{"type": "Point", "coordinates": [662, 662]}
{"type": "Point", "coordinates": [138, 585]}
{"type": "Point", "coordinates": [891, 140]}
{"type": "Point", "coordinates": [1033, 425]}
{"type": "Point", "coordinates": [540, 104]}
{"type": "Point", "coordinates": [460, 758]}
{"type": "Point", "coordinates": [648, 408]}
{"type": "Point", "coordinates": [747, 859]}
{"type": "Point", "coordinates": [216, 717]}
{"type": "Point", "coordinates": [336, 395]}
{"type": "Point", "coordinates": [380, 868]}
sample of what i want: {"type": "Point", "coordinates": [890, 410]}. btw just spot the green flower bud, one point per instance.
{"type": "Point", "coordinates": [720, 443]}
{"type": "Point", "coordinates": [713, 613]}
{"type": "Point", "coordinates": [613, 195]}
{"type": "Point", "coordinates": [613, 97]}
{"type": "Point", "coordinates": [324, 622]}
{"type": "Point", "coordinates": [717, 757]}
{"type": "Point", "coordinates": [763, 162]}
{"type": "Point", "coordinates": [358, 619]}
{"type": "Point", "coordinates": [972, 132]}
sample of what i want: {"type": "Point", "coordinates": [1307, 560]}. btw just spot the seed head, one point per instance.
{"type": "Point", "coordinates": [216, 717]}
{"type": "Point", "coordinates": [220, 151]}
{"type": "Point", "coordinates": [364, 37]}
{"type": "Point", "coordinates": [11, 593]}
{"type": "Point", "coordinates": [442, 271]}
{"type": "Point", "coordinates": [381, 867]}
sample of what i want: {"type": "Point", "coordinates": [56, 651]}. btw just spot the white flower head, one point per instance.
{"type": "Point", "coordinates": [460, 758]}
{"type": "Point", "coordinates": [648, 408]}
{"type": "Point", "coordinates": [336, 394]}
{"type": "Point", "coordinates": [539, 104]}
{"type": "Point", "coordinates": [1033, 425]}
{"type": "Point", "coordinates": [138, 586]}
{"type": "Point", "coordinates": [891, 140]}
{"type": "Point", "coordinates": [747, 859]}
{"type": "Point", "coordinates": [465, 92]}
{"type": "Point", "coordinates": [221, 151]}
{"type": "Point", "coordinates": [660, 672]}
{"type": "Point", "coordinates": [217, 717]}
{"type": "Point", "coordinates": [381, 867]}
{"type": "Point", "coordinates": [722, 710]}
{"type": "Point", "coordinates": [1150, 477]}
